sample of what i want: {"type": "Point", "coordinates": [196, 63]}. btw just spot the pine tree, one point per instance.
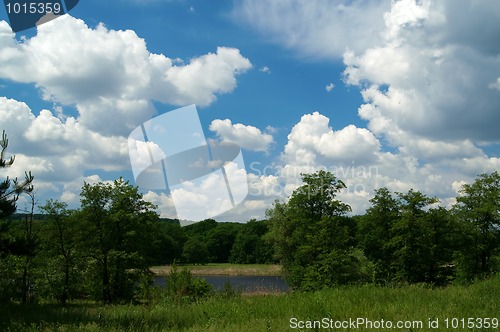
{"type": "Point", "coordinates": [11, 189]}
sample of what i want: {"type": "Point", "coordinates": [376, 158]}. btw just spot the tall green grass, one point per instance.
{"type": "Point", "coordinates": [266, 313]}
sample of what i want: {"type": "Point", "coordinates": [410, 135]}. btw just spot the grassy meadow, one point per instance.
{"type": "Point", "coordinates": [268, 313]}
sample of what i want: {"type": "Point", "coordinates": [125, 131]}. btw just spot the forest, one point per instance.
{"type": "Point", "coordinates": [103, 250]}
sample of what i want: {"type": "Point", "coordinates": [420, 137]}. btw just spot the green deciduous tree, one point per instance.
{"type": "Point", "coordinates": [200, 228]}
{"type": "Point", "coordinates": [116, 225]}
{"type": "Point", "coordinates": [444, 241]}
{"type": "Point", "coordinates": [195, 250]}
{"type": "Point", "coordinates": [24, 243]}
{"type": "Point", "coordinates": [62, 263]}
{"type": "Point", "coordinates": [167, 242]}
{"type": "Point", "coordinates": [478, 210]}
{"type": "Point", "coordinates": [406, 240]}
{"type": "Point", "coordinates": [251, 245]}
{"type": "Point", "coordinates": [220, 240]}
{"type": "Point", "coordinates": [375, 231]}
{"type": "Point", "coordinates": [410, 238]}
{"type": "Point", "coordinates": [313, 239]}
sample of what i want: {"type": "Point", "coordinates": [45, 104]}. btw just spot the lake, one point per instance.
{"type": "Point", "coordinates": [247, 284]}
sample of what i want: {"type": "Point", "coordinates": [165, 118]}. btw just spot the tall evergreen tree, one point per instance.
{"type": "Point", "coordinates": [11, 189]}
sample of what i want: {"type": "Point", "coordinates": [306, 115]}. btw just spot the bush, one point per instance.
{"type": "Point", "coordinates": [182, 286]}
{"type": "Point", "coordinates": [145, 286]}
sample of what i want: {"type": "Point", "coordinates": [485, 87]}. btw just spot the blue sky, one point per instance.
{"type": "Point", "coordinates": [403, 94]}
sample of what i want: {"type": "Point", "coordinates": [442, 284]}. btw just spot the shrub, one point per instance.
{"type": "Point", "coordinates": [182, 286]}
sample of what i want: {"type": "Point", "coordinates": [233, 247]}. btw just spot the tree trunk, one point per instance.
{"type": "Point", "coordinates": [106, 292]}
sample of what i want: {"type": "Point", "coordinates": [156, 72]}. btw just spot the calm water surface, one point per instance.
{"type": "Point", "coordinates": [247, 284]}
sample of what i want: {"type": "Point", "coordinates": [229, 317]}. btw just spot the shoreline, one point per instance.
{"type": "Point", "coordinates": [223, 270]}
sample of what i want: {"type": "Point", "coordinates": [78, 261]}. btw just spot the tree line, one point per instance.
{"type": "Point", "coordinates": [403, 238]}
{"type": "Point", "coordinates": [103, 250]}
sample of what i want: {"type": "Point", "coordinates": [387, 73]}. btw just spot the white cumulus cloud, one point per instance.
{"type": "Point", "coordinates": [313, 137]}
{"type": "Point", "coordinates": [265, 69]}
{"type": "Point", "coordinates": [427, 81]}
{"type": "Point", "coordinates": [316, 28]}
{"type": "Point", "coordinates": [110, 75]}
{"type": "Point", "coordinates": [247, 137]}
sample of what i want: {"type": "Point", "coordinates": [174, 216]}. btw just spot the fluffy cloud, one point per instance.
{"type": "Point", "coordinates": [110, 75]}
{"type": "Point", "coordinates": [354, 155]}
{"type": "Point", "coordinates": [427, 70]}
{"type": "Point", "coordinates": [57, 150]}
{"type": "Point", "coordinates": [316, 28]}
{"type": "Point", "coordinates": [329, 87]}
{"type": "Point", "coordinates": [312, 137]}
{"type": "Point", "coordinates": [265, 69]}
{"type": "Point", "coordinates": [204, 76]}
{"type": "Point", "coordinates": [427, 80]}
{"type": "Point", "coordinates": [495, 85]}
{"type": "Point", "coordinates": [263, 190]}
{"type": "Point", "coordinates": [111, 79]}
{"type": "Point", "coordinates": [428, 74]}
{"type": "Point", "coordinates": [204, 197]}
{"type": "Point", "coordinates": [164, 203]}
{"type": "Point", "coordinates": [247, 137]}
{"type": "Point", "coordinates": [71, 189]}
